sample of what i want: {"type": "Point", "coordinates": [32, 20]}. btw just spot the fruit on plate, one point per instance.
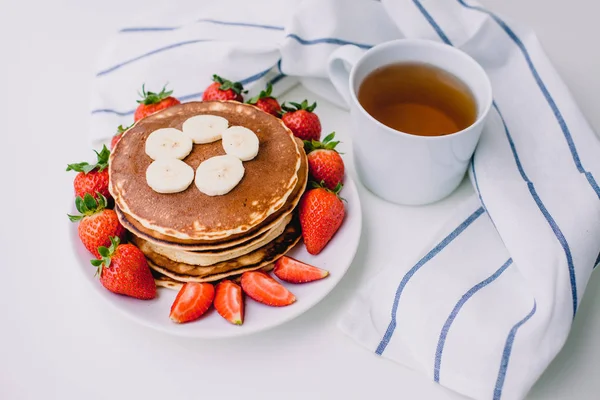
{"type": "Point", "coordinates": [204, 128]}
{"type": "Point", "coordinates": [240, 142]}
{"type": "Point", "coordinates": [264, 289]}
{"type": "Point", "coordinates": [294, 271]}
{"type": "Point", "coordinates": [266, 102]}
{"type": "Point", "coordinates": [324, 162]}
{"type": "Point", "coordinates": [229, 302]}
{"type": "Point", "coordinates": [92, 178]}
{"type": "Point", "coordinates": [97, 224]}
{"type": "Point", "coordinates": [120, 130]}
{"type": "Point", "coordinates": [301, 120]}
{"type": "Point", "coordinates": [153, 102]}
{"type": "Point", "coordinates": [192, 301]}
{"type": "Point", "coordinates": [219, 175]}
{"type": "Point", "coordinates": [223, 89]}
{"type": "Point", "coordinates": [123, 269]}
{"type": "Point", "coordinates": [168, 143]}
{"type": "Point", "coordinates": [169, 175]}
{"type": "Point", "coordinates": [321, 212]}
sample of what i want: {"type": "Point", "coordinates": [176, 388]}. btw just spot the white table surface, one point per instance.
{"type": "Point", "coordinates": [60, 340]}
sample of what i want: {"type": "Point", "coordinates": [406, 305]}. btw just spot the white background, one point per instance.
{"type": "Point", "coordinates": [60, 340]}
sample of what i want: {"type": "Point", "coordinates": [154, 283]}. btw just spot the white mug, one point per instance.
{"type": "Point", "coordinates": [400, 167]}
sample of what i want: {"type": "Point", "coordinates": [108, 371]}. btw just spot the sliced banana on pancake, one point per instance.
{"type": "Point", "coordinates": [219, 175]}
{"type": "Point", "coordinates": [168, 143]}
{"type": "Point", "coordinates": [205, 128]}
{"type": "Point", "coordinates": [169, 175]}
{"type": "Point", "coordinates": [240, 142]}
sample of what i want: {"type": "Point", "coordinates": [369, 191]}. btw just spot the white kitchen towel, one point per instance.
{"type": "Point", "coordinates": [490, 301]}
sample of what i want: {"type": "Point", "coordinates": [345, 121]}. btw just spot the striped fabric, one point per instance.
{"type": "Point", "coordinates": [490, 302]}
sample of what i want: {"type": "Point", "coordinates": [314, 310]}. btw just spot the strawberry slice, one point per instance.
{"type": "Point", "coordinates": [294, 271]}
{"type": "Point", "coordinates": [264, 289]}
{"type": "Point", "coordinates": [193, 300]}
{"type": "Point", "coordinates": [229, 302]}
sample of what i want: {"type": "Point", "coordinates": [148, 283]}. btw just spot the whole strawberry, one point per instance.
{"type": "Point", "coordinates": [96, 223]}
{"type": "Point", "coordinates": [302, 121]}
{"type": "Point", "coordinates": [153, 102]}
{"type": "Point", "coordinates": [266, 102]}
{"type": "Point", "coordinates": [92, 178]}
{"type": "Point", "coordinates": [324, 162]}
{"type": "Point", "coordinates": [321, 214]}
{"type": "Point", "coordinates": [223, 89]}
{"type": "Point", "coordinates": [117, 137]}
{"type": "Point", "coordinates": [123, 269]}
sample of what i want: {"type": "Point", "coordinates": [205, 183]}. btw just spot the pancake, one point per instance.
{"type": "Point", "coordinates": [255, 260]}
{"type": "Point", "coordinates": [206, 258]}
{"type": "Point", "coordinates": [170, 283]}
{"type": "Point", "coordinates": [269, 179]}
{"type": "Point", "coordinates": [273, 222]}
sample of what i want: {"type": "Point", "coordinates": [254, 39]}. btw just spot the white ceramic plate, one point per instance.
{"type": "Point", "coordinates": [336, 258]}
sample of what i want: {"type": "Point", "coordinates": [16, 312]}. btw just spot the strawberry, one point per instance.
{"type": "Point", "coordinates": [223, 89]}
{"type": "Point", "coordinates": [229, 302]}
{"type": "Point", "coordinates": [294, 271]}
{"type": "Point", "coordinates": [321, 213]}
{"type": "Point", "coordinates": [193, 300]}
{"type": "Point", "coordinates": [117, 137]}
{"type": "Point", "coordinates": [264, 289]}
{"type": "Point", "coordinates": [96, 223]}
{"type": "Point", "coordinates": [123, 269]}
{"type": "Point", "coordinates": [92, 178]}
{"type": "Point", "coordinates": [302, 121]}
{"type": "Point", "coordinates": [324, 162]}
{"type": "Point", "coordinates": [266, 102]}
{"type": "Point", "coordinates": [153, 102]}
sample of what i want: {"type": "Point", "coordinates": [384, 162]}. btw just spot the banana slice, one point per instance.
{"type": "Point", "coordinates": [240, 142]}
{"type": "Point", "coordinates": [204, 128]}
{"type": "Point", "coordinates": [168, 143]}
{"type": "Point", "coordinates": [169, 175]}
{"type": "Point", "coordinates": [218, 175]}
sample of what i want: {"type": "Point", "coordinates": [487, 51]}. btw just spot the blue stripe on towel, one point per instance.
{"type": "Point", "coordinates": [456, 309]}
{"type": "Point", "coordinates": [506, 353]}
{"type": "Point", "coordinates": [546, 93]}
{"type": "Point", "coordinates": [160, 50]}
{"type": "Point", "coordinates": [186, 97]}
{"type": "Point", "coordinates": [553, 225]}
{"type": "Point", "coordinates": [207, 20]}
{"type": "Point", "coordinates": [327, 40]}
{"type": "Point", "coordinates": [432, 253]}
{"type": "Point", "coordinates": [432, 22]}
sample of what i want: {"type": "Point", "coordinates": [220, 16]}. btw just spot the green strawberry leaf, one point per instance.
{"type": "Point", "coordinates": [262, 95]}
{"type": "Point", "coordinates": [90, 202]}
{"type": "Point", "coordinates": [153, 98]}
{"type": "Point", "coordinates": [101, 162]}
{"type": "Point", "coordinates": [74, 218]}
{"type": "Point", "coordinates": [326, 144]}
{"type": "Point", "coordinates": [226, 84]}
{"type": "Point", "coordinates": [122, 129]}
{"type": "Point", "coordinates": [299, 106]}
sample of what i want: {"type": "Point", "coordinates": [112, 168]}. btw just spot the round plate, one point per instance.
{"type": "Point", "coordinates": [336, 258]}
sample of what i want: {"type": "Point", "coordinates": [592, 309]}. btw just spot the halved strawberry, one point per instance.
{"type": "Point", "coordinates": [229, 302]}
{"type": "Point", "coordinates": [294, 271]}
{"type": "Point", "coordinates": [264, 289]}
{"type": "Point", "coordinates": [193, 300]}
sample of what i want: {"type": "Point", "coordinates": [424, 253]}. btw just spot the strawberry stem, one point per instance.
{"type": "Point", "coordinates": [88, 205]}
{"type": "Point", "coordinates": [263, 94]}
{"type": "Point", "coordinates": [299, 106]}
{"type": "Point", "coordinates": [226, 84]}
{"type": "Point", "coordinates": [106, 253]}
{"type": "Point", "coordinates": [154, 98]}
{"type": "Point", "coordinates": [325, 144]}
{"type": "Point", "coordinates": [101, 163]}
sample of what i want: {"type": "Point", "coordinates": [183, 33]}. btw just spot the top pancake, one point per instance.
{"type": "Point", "coordinates": [268, 180]}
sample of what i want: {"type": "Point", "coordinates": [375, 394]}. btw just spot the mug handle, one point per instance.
{"type": "Point", "coordinates": [339, 65]}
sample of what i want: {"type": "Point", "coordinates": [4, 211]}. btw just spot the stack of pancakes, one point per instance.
{"type": "Point", "coordinates": [191, 237]}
